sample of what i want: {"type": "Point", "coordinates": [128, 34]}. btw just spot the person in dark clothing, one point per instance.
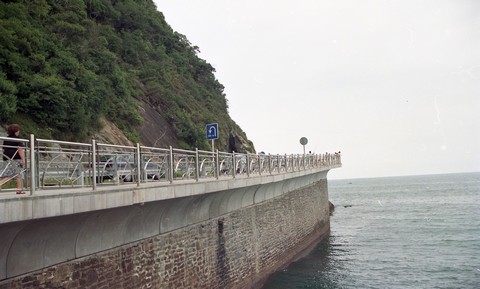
{"type": "Point", "coordinates": [14, 156]}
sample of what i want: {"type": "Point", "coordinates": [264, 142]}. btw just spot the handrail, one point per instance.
{"type": "Point", "coordinates": [54, 164]}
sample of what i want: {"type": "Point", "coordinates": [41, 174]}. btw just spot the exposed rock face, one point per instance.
{"type": "Point", "coordinates": [156, 131]}
{"type": "Point", "coordinates": [238, 144]}
{"type": "Point", "coordinates": [111, 134]}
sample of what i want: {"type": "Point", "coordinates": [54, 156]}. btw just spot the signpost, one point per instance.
{"type": "Point", "coordinates": [303, 142]}
{"type": "Point", "coordinates": [212, 133]}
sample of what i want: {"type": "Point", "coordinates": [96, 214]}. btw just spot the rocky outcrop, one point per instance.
{"type": "Point", "coordinates": [155, 130]}
{"type": "Point", "coordinates": [238, 144]}
{"type": "Point", "coordinates": [331, 208]}
{"type": "Point", "coordinates": [111, 134]}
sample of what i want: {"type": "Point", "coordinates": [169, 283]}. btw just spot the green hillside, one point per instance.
{"type": "Point", "coordinates": [65, 64]}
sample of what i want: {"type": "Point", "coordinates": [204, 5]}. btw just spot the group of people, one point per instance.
{"type": "Point", "coordinates": [13, 158]}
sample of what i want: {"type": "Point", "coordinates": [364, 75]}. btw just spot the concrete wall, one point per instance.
{"type": "Point", "coordinates": [228, 239]}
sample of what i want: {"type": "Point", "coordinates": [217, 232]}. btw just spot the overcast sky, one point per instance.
{"type": "Point", "coordinates": [393, 85]}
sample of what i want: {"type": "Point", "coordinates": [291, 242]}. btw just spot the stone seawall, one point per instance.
{"type": "Point", "coordinates": [235, 250]}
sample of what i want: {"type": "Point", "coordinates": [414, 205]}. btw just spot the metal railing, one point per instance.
{"type": "Point", "coordinates": [51, 164]}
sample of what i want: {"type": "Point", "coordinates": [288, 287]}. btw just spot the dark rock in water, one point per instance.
{"type": "Point", "coordinates": [331, 208]}
{"type": "Point", "coordinates": [347, 206]}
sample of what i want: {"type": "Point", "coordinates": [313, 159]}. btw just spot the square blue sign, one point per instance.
{"type": "Point", "coordinates": [212, 131]}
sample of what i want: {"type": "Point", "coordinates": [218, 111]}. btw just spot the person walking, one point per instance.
{"type": "Point", "coordinates": [13, 152]}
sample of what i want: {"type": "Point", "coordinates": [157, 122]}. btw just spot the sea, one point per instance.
{"type": "Point", "coordinates": [395, 232]}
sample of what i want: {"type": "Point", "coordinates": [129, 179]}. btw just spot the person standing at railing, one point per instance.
{"type": "Point", "coordinates": [13, 152]}
{"type": "Point", "coordinates": [338, 157]}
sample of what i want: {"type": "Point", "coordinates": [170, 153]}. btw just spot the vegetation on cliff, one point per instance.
{"type": "Point", "coordinates": [66, 64]}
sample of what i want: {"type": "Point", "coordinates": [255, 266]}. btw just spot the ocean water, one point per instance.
{"type": "Point", "coordinates": [396, 232]}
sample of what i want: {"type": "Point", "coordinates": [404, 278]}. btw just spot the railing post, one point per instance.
{"type": "Point", "coordinates": [234, 164]}
{"type": "Point", "coordinates": [260, 163]}
{"type": "Point", "coordinates": [269, 163]}
{"type": "Point", "coordinates": [278, 163]}
{"type": "Point", "coordinates": [292, 164]}
{"type": "Point", "coordinates": [170, 160]}
{"type": "Point", "coordinates": [248, 164]}
{"type": "Point", "coordinates": [94, 164]}
{"type": "Point", "coordinates": [197, 173]}
{"type": "Point", "coordinates": [139, 173]}
{"type": "Point", "coordinates": [217, 165]}
{"type": "Point", "coordinates": [32, 165]}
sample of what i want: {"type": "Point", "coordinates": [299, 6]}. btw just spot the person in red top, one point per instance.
{"type": "Point", "coordinates": [13, 153]}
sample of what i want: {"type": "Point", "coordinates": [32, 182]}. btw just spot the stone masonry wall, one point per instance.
{"type": "Point", "coordinates": [237, 250]}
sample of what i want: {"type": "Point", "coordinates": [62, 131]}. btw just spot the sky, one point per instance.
{"type": "Point", "coordinates": [393, 85]}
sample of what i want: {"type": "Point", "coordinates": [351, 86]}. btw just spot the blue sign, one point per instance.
{"type": "Point", "coordinates": [212, 131]}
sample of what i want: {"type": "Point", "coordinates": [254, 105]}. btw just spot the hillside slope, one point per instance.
{"type": "Point", "coordinates": [73, 70]}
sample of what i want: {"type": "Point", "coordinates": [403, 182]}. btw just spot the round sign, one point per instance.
{"type": "Point", "coordinates": [303, 140]}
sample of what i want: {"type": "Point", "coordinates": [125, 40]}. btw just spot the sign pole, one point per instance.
{"type": "Point", "coordinates": [212, 133]}
{"type": "Point", "coordinates": [303, 142]}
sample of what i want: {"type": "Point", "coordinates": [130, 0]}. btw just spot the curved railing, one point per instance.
{"type": "Point", "coordinates": [54, 164]}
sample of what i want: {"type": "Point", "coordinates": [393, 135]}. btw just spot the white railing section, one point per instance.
{"type": "Point", "coordinates": [51, 164]}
